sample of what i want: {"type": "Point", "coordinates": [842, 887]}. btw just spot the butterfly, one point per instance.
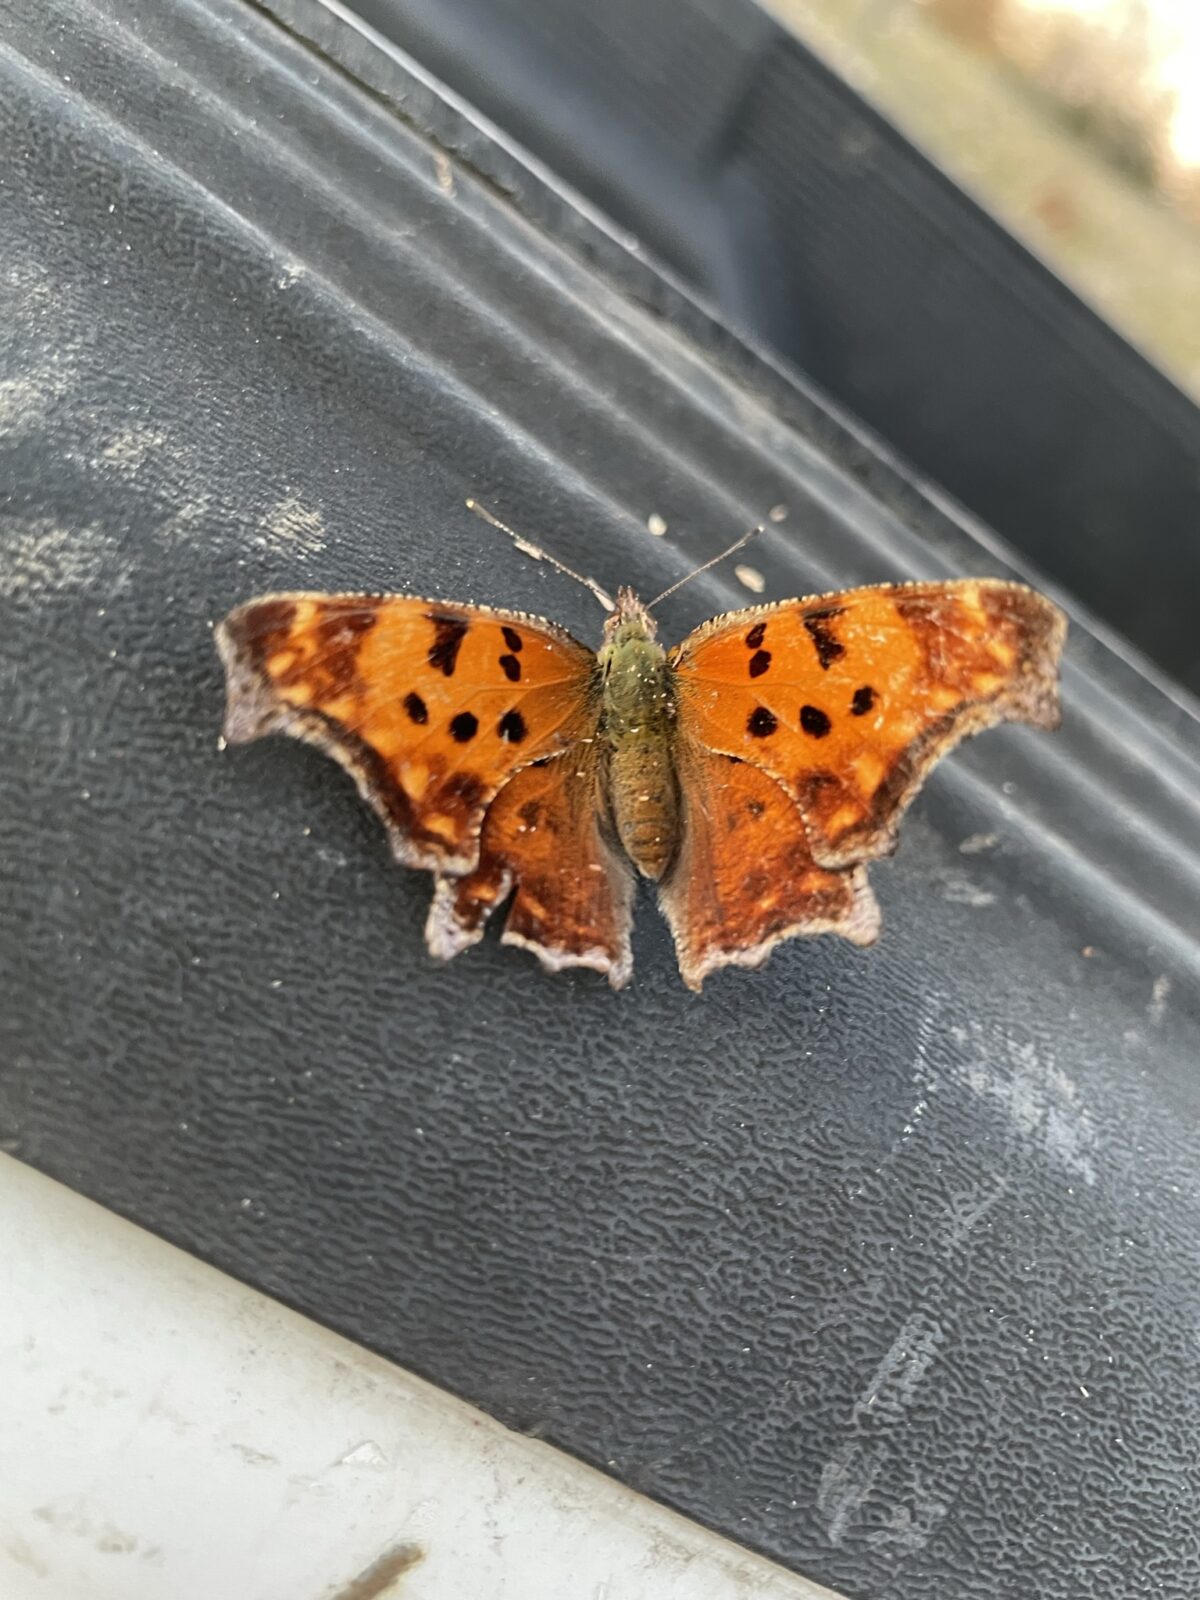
{"type": "Point", "coordinates": [750, 772]}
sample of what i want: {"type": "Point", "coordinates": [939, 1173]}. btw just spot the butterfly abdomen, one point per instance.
{"type": "Point", "coordinates": [645, 803]}
{"type": "Point", "coordinates": [638, 725]}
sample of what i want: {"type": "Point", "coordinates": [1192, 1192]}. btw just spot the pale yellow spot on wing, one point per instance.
{"type": "Point", "coordinates": [986, 682]}
{"type": "Point", "coordinates": [869, 770]}
{"type": "Point", "coordinates": [942, 698]}
{"type": "Point", "coordinates": [342, 709]}
{"type": "Point", "coordinates": [904, 728]}
{"type": "Point", "coordinates": [844, 817]}
{"type": "Point", "coordinates": [445, 827]}
{"type": "Point", "coordinates": [280, 662]}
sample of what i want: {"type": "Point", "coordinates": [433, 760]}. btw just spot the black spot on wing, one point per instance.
{"type": "Point", "coordinates": [825, 642]}
{"type": "Point", "coordinates": [417, 710]}
{"type": "Point", "coordinates": [448, 635]}
{"type": "Point", "coordinates": [814, 722]}
{"type": "Point", "coordinates": [761, 722]}
{"type": "Point", "coordinates": [511, 668]}
{"type": "Point", "coordinates": [756, 636]}
{"type": "Point", "coordinates": [863, 700]}
{"type": "Point", "coordinates": [464, 726]}
{"type": "Point", "coordinates": [513, 639]}
{"type": "Point", "coordinates": [511, 727]}
{"type": "Point", "coordinates": [759, 662]}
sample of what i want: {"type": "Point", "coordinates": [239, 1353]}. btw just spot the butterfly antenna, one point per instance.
{"type": "Point", "coordinates": [696, 571]}
{"type": "Point", "coordinates": [538, 554]}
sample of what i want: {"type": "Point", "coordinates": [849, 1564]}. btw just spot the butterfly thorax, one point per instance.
{"type": "Point", "coordinates": [637, 724]}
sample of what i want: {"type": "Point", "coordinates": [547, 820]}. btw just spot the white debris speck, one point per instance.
{"type": "Point", "coordinates": [962, 892]}
{"type": "Point", "coordinates": [976, 843]}
{"type": "Point", "coordinates": [777, 513]}
{"type": "Point", "coordinates": [367, 1454]}
{"type": "Point", "coordinates": [656, 525]}
{"type": "Point", "coordinates": [1158, 999]}
{"type": "Point", "coordinates": [444, 171]}
{"type": "Point", "coordinates": [751, 578]}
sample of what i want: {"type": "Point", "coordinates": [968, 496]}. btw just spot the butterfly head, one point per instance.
{"type": "Point", "coordinates": [630, 622]}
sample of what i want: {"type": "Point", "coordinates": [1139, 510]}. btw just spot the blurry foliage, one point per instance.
{"type": "Point", "coordinates": [1099, 69]}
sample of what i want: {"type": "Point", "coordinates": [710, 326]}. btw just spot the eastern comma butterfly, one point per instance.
{"type": "Point", "coordinates": [750, 772]}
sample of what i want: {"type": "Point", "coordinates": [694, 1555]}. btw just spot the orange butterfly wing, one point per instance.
{"type": "Point", "coordinates": [807, 727]}
{"type": "Point", "coordinates": [744, 877]}
{"type": "Point", "coordinates": [574, 891]}
{"type": "Point", "coordinates": [436, 709]}
{"type": "Point", "coordinates": [849, 699]}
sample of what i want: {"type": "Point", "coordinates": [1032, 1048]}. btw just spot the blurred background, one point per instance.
{"type": "Point", "coordinates": [1077, 121]}
{"type": "Point", "coordinates": [975, 224]}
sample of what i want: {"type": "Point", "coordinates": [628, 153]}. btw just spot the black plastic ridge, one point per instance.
{"type": "Point", "coordinates": [1155, 862]}
{"type": "Point", "coordinates": [771, 185]}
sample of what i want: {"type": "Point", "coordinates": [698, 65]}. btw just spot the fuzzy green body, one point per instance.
{"type": "Point", "coordinates": [637, 725]}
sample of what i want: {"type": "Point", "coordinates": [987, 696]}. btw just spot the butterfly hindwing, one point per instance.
{"type": "Point", "coordinates": [545, 832]}
{"type": "Point", "coordinates": [744, 878]}
{"type": "Point", "coordinates": [848, 699]}
{"type": "Point", "coordinates": [431, 706]}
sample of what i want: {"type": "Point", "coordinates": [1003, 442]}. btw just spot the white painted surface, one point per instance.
{"type": "Point", "coordinates": [167, 1434]}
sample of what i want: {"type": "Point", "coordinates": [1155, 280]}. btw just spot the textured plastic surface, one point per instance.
{"type": "Point", "coordinates": [883, 1263]}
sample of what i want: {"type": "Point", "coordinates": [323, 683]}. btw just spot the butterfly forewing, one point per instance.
{"type": "Point", "coordinates": [848, 699]}
{"type": "Point", "coordinates": [431, 706]}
